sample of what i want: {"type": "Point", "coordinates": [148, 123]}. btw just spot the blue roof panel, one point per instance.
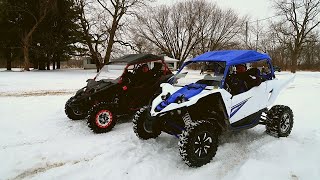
{"type": "Point", "coordinates": [231, 57]}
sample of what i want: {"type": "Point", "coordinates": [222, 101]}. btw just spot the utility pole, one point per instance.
{"type": "Point", "coordinates": [257, 42]}
{"type": "Point", "coordinates": [247, 34]}
{"type": "Point", "coordinates": [257, 36]}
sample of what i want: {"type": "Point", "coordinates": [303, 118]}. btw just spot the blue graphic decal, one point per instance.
{"type": "Point", "coordinates": [186, 92]}
{"type": "Point", "coordinates": [237, 107]}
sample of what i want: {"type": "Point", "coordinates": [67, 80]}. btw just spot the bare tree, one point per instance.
{"type": "Point", "coordinates": [176, 30]}
{"type": "Point", "coordinates": [301, 17]}
{"type": "Point", "coordinates": [104, 23]}
{"type": "Point", "coordinates": [93, 34]}
{"type": "Point", "coordinates": [224, 26]}
{"type": "Point", "coordinates": [308, 55]}
{"type": "Point", "coordinates": [188, 27]}
{"type": "Point", "coordinates": [117, 9]}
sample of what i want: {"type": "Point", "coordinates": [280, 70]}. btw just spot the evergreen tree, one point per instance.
{"type": "Point", "coordinates": [40, 39]}
{"type": "Point", "coordinates": [9, 28]}
{"type": "Point", "coordinates": [56, 37]}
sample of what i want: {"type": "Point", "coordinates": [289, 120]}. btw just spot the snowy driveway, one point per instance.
{"type": "Point", "coordinates": [37, 140]}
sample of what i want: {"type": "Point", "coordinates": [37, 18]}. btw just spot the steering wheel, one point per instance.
{"type": "Point", "coordinates": [230, 79]}
{"type": "Point", "coordinates": [127, 77]}
{"type": "Point", "coordinates": [227, 87]}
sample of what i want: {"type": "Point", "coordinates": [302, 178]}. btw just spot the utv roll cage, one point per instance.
{"type": "Point", "coordinates": [231, 58]}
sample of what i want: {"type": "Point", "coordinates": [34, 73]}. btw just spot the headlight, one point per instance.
{"type": "Point", "coordinates": [165, 97]}
{"type": "Point", "coordinates": [181, 99]}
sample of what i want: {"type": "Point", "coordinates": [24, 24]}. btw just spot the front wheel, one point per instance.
{"type": "Point", "coordinates": [198, 143]}
{"type": "Point", "coordinates": [140, 123]}
{"type": "Point", "coordinates": [101, 117]}
{"type": "Point", "coordinates": [279, 121]}
{"type": "Point", "coordinates": [74, 114]}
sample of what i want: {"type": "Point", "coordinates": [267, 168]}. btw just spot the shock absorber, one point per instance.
{"type": "Point", "coordinates": [187, 119]}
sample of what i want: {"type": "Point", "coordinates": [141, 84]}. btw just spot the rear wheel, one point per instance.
{"type": "Point", "coordinates": [72, 113]}
{"type": "Point", "coordinates": [198, 143]}
{"type": "Point", "coordinates": [101, 118]}
{"type": "Point", "coordinates": [140, 123]}
{"type": "Point", "coordinates": [279, 121]}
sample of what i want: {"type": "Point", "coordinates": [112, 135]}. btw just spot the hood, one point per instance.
{"type": "Point", "coordinates": [190, 97]}
{"type": "Point", "coordinates": [95, 86]}
{"type": "Point", "coordinates": [182, 95]}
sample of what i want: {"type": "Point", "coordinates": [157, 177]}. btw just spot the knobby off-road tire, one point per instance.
{"type": "Point", "coordinates": [139, 124]}
{"type": "Point", "coordinates": [71, 114]}
{"type": "Point", "coordinates": [279, 121]}
{"type": "Point", "coordinates": [101, 117]}
{"type": "Point", "coordinates": [198, 143]}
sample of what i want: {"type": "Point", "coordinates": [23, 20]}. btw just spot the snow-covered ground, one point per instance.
{"type": "Point", "coordinates": [37, 140]}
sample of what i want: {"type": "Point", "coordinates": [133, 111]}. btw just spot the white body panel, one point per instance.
{"type": "Point", "coordinates": [274, 88]}
{"type": "Point", "coordinates": [248, 102]}
{"type": "Point", "coordinates": [257, 98]}
{"type": "Point", "coordinates": [238, 106]}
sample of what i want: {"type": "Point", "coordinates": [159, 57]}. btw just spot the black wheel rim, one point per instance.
{"type": "Point", "coordinates": [77, 112]}
{"type": "Point", "coordinates": [147, 125]}
{"type": "Point", "coordinates": [285, 123]}
{"type": "Point", "coordinates": [203, 144]}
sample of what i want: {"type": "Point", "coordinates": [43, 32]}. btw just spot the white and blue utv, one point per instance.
{"type": "Point", "coordinates": [208, 96]}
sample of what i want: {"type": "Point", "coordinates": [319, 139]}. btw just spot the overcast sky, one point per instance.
{"type": "Point", "coordinates": [256, 9]}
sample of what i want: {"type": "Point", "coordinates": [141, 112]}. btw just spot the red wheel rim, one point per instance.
{"type": "Point", "coordinates": [104, 118]}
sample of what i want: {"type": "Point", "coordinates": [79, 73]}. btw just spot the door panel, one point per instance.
{"type": "Point", "coordinates": [247, 103]}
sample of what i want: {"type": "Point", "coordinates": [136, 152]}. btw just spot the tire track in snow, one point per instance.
{"type": "Point", "coordinates": [235, 149]}
{"type": "Point", "coordinates": [23, 144]}
{"type": "Point", "coordinates": [37, 93]}
{"type": "Point", "coordinates": [34, 171]}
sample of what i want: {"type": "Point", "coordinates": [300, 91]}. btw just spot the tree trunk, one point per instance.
{"type": "Point", "coordinates": [36, 64]}
{"type": "Point", "coordinates": [58, 63]}
{"type": "Point", "coordinates": [93, 53]}
{"type": "Point", "coordinates": [294, 60]}
{"type": "Point", "coordinates": [42, 65]}
{"type": "Point", "coordinates": [111, 41]}
{"type": "Point", "coordinates": [53, 65]}
{"type": "Point", "coordinates": [9, 60]}
{"type": "Point", "coordinates": [98, 68]}
{"type": "Point", "coordinates": [8, 56]}
{"type": "Point", "coordinates": [48, 65]}
{"type": "Point", "coordinates": [108, 52]}
{"type": "Point", "coordinates": [94, 57]}
{"type": "Point", "coordinates": [26, 55]}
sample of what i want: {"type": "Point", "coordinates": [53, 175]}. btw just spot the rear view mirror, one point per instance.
{"type": "Point", "coordinates": [89, 80]}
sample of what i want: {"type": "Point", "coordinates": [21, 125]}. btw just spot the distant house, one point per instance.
{"type": "Point", "coordinates": [172, 63]}
{"type": "Point", "coordinates": [88, 63]}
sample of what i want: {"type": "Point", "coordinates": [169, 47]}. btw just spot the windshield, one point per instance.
{"type": "Point", "coordinates": [111, 71]}
{"type": "Point", "coordinates": [209, 73]}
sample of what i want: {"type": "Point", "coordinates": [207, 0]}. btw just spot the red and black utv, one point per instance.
{"type": "Point", "coordinates": [108, 95]}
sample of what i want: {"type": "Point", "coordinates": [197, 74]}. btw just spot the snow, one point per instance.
{"type": "Point", "coordinates": [43, 81]}
{"type": "Point", "coordinates": [38, 141]}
